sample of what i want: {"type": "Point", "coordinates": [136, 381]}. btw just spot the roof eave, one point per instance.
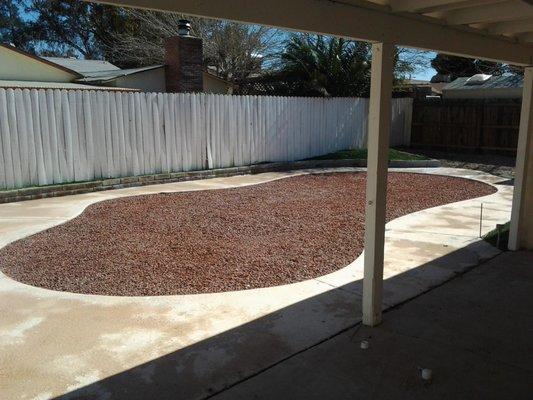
{"type": "Point", "coordinates": [40, 59]}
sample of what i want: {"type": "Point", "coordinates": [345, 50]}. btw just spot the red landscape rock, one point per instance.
{"type": "Point", "coordinates": [219, 240]}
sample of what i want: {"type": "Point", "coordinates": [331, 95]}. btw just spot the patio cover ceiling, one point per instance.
{"type": "Point", "coordinates": [500, 30]}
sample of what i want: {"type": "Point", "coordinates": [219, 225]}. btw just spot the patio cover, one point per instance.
{"type": "Point", "coordinates": [499, 30]}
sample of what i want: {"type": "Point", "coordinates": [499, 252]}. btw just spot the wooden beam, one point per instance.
{"type": "Point", "coordinates": [351, 21]}
{"type": "Point", "coordinates": [521, 229]}
{"type": "Point", "coordinates": [511, 27]}
{"type": "Point", "coordinates": [424, 7]}
{"type": "Point", "coordinates": [507, 11]}
{"type": "Point", "coordinates": [526, 37]}
{"type": "Point", "coordinates": [419, 5]}
{"type": "Point", "coordinates": [379, 126]}
{"type": "Point", "coordinates": [462, 5]}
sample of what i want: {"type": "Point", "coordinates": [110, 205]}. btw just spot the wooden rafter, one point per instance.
{"type": "Point", "coordinates": [425, 7]}
{"type": "Point", "coordinates": [506, 11]}
{"type": "Point", "coordinates": [419, 5]}
{"type": "Point", "coordinates": [526, 37]}
{"type": "Point", "coordinates": [511, 27]}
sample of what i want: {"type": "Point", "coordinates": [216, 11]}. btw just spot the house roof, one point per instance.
{"type": "Point", "coordinates": [40, 59]}
{"type": "Point", "coordinates": [494, 82]}
{"type": "Point", "coordinates": [57, 85]}
{"type": "Point", "coordinates": [82, 67]}
{"type": "Point", "coordinates": [109, 75]}
{"type": "Point", "coordinates": [436, 88]}
{"type": "Point", "coordinates": [85, 71]}
{"type": "Point", "coordinates": [417, 82]}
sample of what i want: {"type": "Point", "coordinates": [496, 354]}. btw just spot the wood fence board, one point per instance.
{"type": "Point", "coordinates": [56, 136]}
{"type": "Point", "coordinates": [473, 125]}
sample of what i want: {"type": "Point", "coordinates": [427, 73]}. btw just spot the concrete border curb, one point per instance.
{"type": "Point", "coordinates": [39, 192]}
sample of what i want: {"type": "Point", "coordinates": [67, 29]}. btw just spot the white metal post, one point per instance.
{"type": "Point", "coordinates": [521, 230]}
{"type": "Point", "coordinates": [379, 125]}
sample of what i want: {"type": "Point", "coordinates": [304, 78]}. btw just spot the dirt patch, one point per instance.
{"type": "Point", "coordinates": [494, 164]}
{"type": "Point", "coordinates": [219, 240]}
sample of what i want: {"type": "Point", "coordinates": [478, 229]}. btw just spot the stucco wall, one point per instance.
{"type": "Point", "coordinates": [216, 86]}
{"type": "Point", "coordinates": [17, 66]}
{"type": "Point", "coordinates": [148, 81]}
{"type": "Point", "coordinates": [154, 81]}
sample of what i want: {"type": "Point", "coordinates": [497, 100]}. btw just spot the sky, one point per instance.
{"type": "Point", "coordinates": [423, 74]}
{"type": "Point", "coordinates": [426, 73]}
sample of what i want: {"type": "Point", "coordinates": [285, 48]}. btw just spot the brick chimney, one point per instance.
{"type": "Point", "coordinates": [183, 61]}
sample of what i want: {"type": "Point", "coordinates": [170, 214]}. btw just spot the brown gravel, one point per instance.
{"type": "Point", "coordinates": [212, 241]}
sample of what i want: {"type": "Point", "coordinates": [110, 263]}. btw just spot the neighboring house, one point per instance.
{"type": "Point", "coordinates": [18, 65]}
{"type": "Point", "coordinates": [215, 84]}
{"type": "Point", "coordinates": [103, 73]}
{"type": "Point", "coordinates": [420, 89]}
{"type": "Point", "coordinates": [482, 86]}
{"type": "Point", "coordinates": [183, 71]}
{"type": "Point", "coordinates": [19, 69]}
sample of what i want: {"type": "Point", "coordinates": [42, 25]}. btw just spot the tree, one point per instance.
{"type": "Point", "coordinates": [316, 65]}
{"type": "Point", "coordinates": [514, 69]}
{"type": "Point", "coordinates": [70, 28]}
{"type": "Point", "coordinates": [134, 38]}
{"type": "Point", "coordinates": [13, 28]}
{"type": "Point", "coordinates": [409, 61]}
{"type": "Point", "coordinates": [457, 67]}
{"type": "Point", "coordinates": [235, 51]}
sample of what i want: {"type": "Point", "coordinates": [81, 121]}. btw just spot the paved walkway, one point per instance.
{"type": "Point", "coordinates": [55, 343]}
{"type": "Point", "coordinates": [474, 333]}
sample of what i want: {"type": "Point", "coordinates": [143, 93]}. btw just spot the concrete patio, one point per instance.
{"type": "Point", "coordinates": [473, 332]}
{"type": "Point", "coordinates": [64, 344]}
{"type": "Point", "coordinates": [301, 340]}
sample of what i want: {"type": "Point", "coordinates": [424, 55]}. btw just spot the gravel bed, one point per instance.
{"type": "Point", "coordinates": [219, 240]}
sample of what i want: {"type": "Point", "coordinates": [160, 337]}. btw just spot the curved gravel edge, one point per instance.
{"type": "Point", "coordinates": [284, 284]}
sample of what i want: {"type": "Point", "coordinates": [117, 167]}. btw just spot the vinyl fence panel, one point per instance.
{"type": "Point", "coordinates": [58, 136]}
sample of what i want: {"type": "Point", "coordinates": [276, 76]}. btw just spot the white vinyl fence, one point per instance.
{"type": "Point", "coordinates": [58, 136]}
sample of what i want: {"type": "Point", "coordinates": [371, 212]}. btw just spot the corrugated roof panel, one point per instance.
{"type": "Point", "coordinates": [103, 76]}
{"type": "Point", "coordinates": [83, 67]}
{"type": "Point", "coordinates": [57, 85]}
{"type": "Point", "coordinates": [495, 82]}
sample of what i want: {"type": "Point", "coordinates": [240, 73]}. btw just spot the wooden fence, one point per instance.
{"type": "Point", "coordinates": [58, 136]}
{"type": "Point", "coordinates": [481, 126]}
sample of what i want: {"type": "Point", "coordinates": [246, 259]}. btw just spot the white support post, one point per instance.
{"type": "Point", "coordinates": [379, 126]}
{"type": "Point", "coordinates": [521, 230]}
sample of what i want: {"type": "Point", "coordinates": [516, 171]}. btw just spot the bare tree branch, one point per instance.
{"type": "Point", "coordinates": [235, 51]}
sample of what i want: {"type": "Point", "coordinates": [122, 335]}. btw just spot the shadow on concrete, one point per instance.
{"type": "Point", "coordinates": [507, 182]}
{"type": "Point", "coordinates": [211, 366]}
